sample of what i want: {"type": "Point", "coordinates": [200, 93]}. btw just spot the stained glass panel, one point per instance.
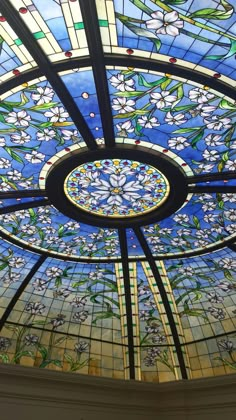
{"type": "Point", "coordinates": [56, 26]}
{"type": "Point", "coordinates": [204, 291]}
{"type": "Point", "coordinates": [48, 229]}
{"type": "Point", "coordinates": [201, 34]}
{"type": "Point", "coordinates": [206, 219]}
{"type": "Point", "coordinates": [176, 114]}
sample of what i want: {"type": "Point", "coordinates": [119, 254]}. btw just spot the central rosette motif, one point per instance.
{"type": "Point", "coordinates": [116, 187]}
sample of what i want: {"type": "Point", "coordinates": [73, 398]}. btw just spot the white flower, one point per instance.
{"type": "Point", "coordinates": [209, 206]}
{"type": "Point", "coordinates": [233, 145]}
{"type": "Point", "coordinates": [184, 231]}
{"type": "Point", "coordinates": [181, 218]}
{"type": "Point", "coordinates": [230, 215]}
{"type": "Point", "coordinates": [81, 346]}
{"type": "Point", "coordinates": [43, 95]}
{"type": "Point", "coordinates": [162, 99]}
{"type": "Point", "coordinates": [226, 345]}
{"type": "Point", "coordinates": [39, 285]}
{"type": "Point", "coordinates": [178, 143]}
{"type": "Point", "coordinates": [146, 122]}
{"type": "Point", "coordinates": [217, 123]}
{"type": "Point", "coordinates": [90, 247]}
{"type": "Point", "coordinates": [35, 157]}
{"type": "Point", "coordinates": [72, 226]}
{"type": "Point", "coordinates": [16, 262]}
{"type": "Point", "coordinates": [14, 175]}
{"type": "Point", "coordinates": [20, 138]}
{"type": "Point", "coordinates": [179, 242]}
{"type": "Point", "coordinates": [116, 189]}
{"type": "Point", "coordinates": [228, 263]}
{"type": "Point", "coordinates": [211, 155]}
{"type": "Point", "coordinates": [231, 228]}
{"type": "Point", "coordinates": [121, 84]}
{"type": "Point", "coordinates": [175, 119]}
{"type": "Point", "coordinates": [208, 218]}
{"type": "Point", "coordinates": [4, 186]}
{"type": "Point", "coordinates": [4, 163]}
{"type": "Point", "coordinates": [2, 142]}
{"type": "Point", "coordinates": [200, 243]}
{"type": "Point", "coordinates": [80, 316]}
{"type": "Point", "coordinates": [54, 272]}
{"type": "Point", "coordinates": [36, 308]}
{"type": "Point", "coordinates": [57, 114]}
{"type": "Point", "coordinates": [18, 118]}
{"type": "Point", "coordinates": [30, 230]}
{"type": "Point", "coordinates": [204, 167]}
{"type": "Point", "coordinates": [46, 135]}
{"type": "Point", "coordinates": [214, 297]}
{"type": "Point", "coordinates": [231, 165]}
{"type": "Point", "coordinates": [217, 313]}
{"type": "Point", "coordinates": [231, 197]}
{"type": "Point", "coordinates": [165, 24]}
{"type": "Point", "coordinates": [70, 135]}
{"type": "Point", "coordinates": [200, 95]}
{"type": "Point", "coordinates": [122, 105]}
{"type": "Point", "coordinates": [213, 140]}
{"type": "Point", "coordinates": [124, 128]}
{"type": "Point", "coordinates": [187, 271]}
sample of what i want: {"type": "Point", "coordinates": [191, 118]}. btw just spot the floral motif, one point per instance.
{"type": "Point", "coordinates": [116, 187]}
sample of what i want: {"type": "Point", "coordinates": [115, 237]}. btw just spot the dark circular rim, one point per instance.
{"type": "Point", "coordinates": [174, 174]}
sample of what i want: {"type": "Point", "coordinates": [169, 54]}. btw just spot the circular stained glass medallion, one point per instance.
{"type": "Point", "coordinates": [116, 187]}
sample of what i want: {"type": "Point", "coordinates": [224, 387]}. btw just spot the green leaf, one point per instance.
{"type": "Point", "coordinates": [48, 362]}
{"type": "Point", "coordinates": [60, 231]}
{"type": "Point", "coordinates": [60, 340]}
{"type": "Point", "coordinates": [68, 358]}
{"type": "Point", "coordinates": [210, 13]}
{"type": "Point", "coordinates": [142, 81]}
{"type": "Point", "coordinates": [165, 84]}
{"type": "Point", "coordinates": [2, 266]}
{"type": "Point", "coordinates": [58, 282]}
{"type": "Point", "coordinates": [229, 136]}
{"type": "Point", "coordinates": [196, 222]}
{"type": "Point", "coordinates": [45, 125]}
{"type": "Point", "coordinates": [185, 130]}
{"type": "Point", "coordinates": [196, 139]}
{"type": "Point", "coordinates": [43, 107]}
{"type": "Point", "coordinates": [132, 114]}
{"type": "Point", "coordinates": [4, 358]}
{"type": "Point", "coordinates": [130, 94]}
{"type": "Point", "coordinates": [23, 353]}
{"type": "Point", "coordinates": [224, 104]}
{"type": "Point", "coordinates": [221, 166]}
{"type": "Point", "coordinates": [13, 154]}
{"type": "Point", "coordinates": [232, 51]}
{"type": "Point", "coordinates": [43, 351]}
{"type": "Point", "coordinates": [225, 156]}
{"type": "Point", "coordinates": [228, 275]}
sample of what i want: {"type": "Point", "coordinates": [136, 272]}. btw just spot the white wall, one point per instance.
{"type": "Point", "coordinates": [33, 394]}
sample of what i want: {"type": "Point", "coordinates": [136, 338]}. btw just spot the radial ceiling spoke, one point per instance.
{"type": "Point", "coordinates": [212, 189]}
{"type": "Point", "coordinates": [165, 301]}
{"type": "Point", "coordinates": [22, 194]}
{"type": "Point", "coordinates": [125, 266]}
{"type": "Point", "coordinates": [25, 206]}
{"type": "Point", "coordinates": [91, 25]}
{"type": "Point", "coordinates": [13, 18]}
{"type": "Point", "coordinates": [21, 289]}
{"type": "Point", "coordinates": [233, 246]}
{"type": "Point", "coordinates": [218, 176]}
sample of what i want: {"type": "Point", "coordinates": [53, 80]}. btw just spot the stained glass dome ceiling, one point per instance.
{"type": "Point", "coordinates": [117, 187]}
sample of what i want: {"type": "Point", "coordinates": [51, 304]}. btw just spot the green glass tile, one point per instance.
{"type": "Point", "coordinates": [103, 22]}
{"type": "Point", "coordinates": [79, 25]}
{"type": "Point", "coordinates": [39, 35]}
{"type": "Point", "coordinates": [18, 41]}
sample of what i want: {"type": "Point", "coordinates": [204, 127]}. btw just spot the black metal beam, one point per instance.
{"type": "Point", "coordinates": [92, 30]}
{"type": "Point", "coordinates": [17, 24]}
{"type": "Point", "coordinates": [24, 206]}
{"type": "Point", "coordinates": [233, 246]}
{"type": "Point", "coordinates": [164, 299]}
{"type": "Point", "coordinates": [21, 289]}
{"type": "Point", "coordinates": [198, 189]}
{"type": "Point", "coordinates": [22, 194]}
{"type": "Point", "coordinates": [217, 176]}
{"type": "Point", "coordinates": [128, 302]}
